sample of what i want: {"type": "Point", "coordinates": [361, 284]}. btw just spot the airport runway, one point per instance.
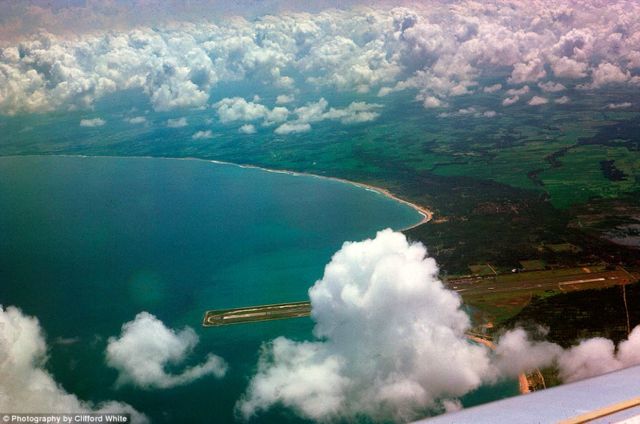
{"type": "Point", "coordinates": [471, 287]}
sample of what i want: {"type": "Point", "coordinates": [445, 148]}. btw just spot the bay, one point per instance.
{"type": "Point", "coordinates": [86, 243]}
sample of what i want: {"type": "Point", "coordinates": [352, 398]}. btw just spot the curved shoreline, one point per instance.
{"type": "Point", "coordinates": [427, 215]}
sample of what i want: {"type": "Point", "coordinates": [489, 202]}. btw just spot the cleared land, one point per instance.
{"type": "Point", "coordinates": [538, 282]}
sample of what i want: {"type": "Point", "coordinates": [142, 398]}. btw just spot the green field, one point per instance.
{"type": "Point", "coordinates": [580, 177]}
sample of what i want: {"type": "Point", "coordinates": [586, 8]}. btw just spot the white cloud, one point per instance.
{"type": "Point", "coordinates": [238, 109]}
{"type": "Point", "coordinates": [440, 50]}
{"type": "Point", "coordinates": [145, 348]}
{"type": "Point", "coordinates": [516, 352]}
{"type": "Point", "coordinates": [292, 127]}
{"type": "Point", "coordinates": [390, 340]}
{"type": "Point", "coordinates": [312, 112]}
{"type": "Point", "coordinates": [562, 100]}
{"type": "Point", "coordinates": [202, 135]}
{"type": "Point", "coordinates": [247, 129]}
{"type": "Point", "coordinates": [177, 122]}
{"type": "Point", "coordinates": [25, 385]}
{"type": "Point", "coordinates": [526, 72]}
{"type": "Point", "coordinates": [515, 94]}
{"type": "Point", "coordinates": [492, 88]}
{"type": "Point", "coordinates": [469, 111]}
{"type": "Point", "coordinates": [551, 87]}
{"type": "Point", "coordinates": [607, 73]}
{"type": "Point", "coordinates": [597, 356]}
{"type": "Point", "coordinates": [565, 67]}
{"type": "Point", "coordinates": [432, 102]}
{"type": "Point", "coordinates": [137, 120]}
{"type": "Point", "coordinates": [623, 105]}
{"type": "Point", "coordinates": [510, 100]}
{"type": "Point", "coordinates": [356, 112]}
{"type": "Point", "coordinates": [385, 91]}
{"type": "Point", "coordinates": [95, 122]}
{"type": "Point", "coordinates": [276, 115]}
{"type": "Point", "coordinates": [284, 99]}
{"type": "Point", "coordinates": [537, 101]}
{"type": "Point", "coordinates": [518, 91]}
{"type": "Point", "coordinates": [465, 111]}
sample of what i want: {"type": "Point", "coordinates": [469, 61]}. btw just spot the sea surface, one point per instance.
{"type": "Point", "coordinates": [86, 243]}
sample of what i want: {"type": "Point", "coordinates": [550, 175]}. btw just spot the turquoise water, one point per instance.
{"type": "Point", "coordinates": [87, 243]}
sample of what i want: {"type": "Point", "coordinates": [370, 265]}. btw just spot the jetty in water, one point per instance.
{"type": "Point", "coordinates": [256, 313]}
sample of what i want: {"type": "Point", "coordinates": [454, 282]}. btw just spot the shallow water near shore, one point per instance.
{"type": "Point", "coordinates": [89, 242]}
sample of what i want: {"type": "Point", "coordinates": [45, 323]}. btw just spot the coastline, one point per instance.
{"type": "Point", "coordinates": [427, 215]}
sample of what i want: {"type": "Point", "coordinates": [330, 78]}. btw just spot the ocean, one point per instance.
{"type": "Point", "coordinates": [86, 243]}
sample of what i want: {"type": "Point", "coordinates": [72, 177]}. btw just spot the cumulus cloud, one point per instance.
{"type": "Point", "coordinates": [562, 100]}
{"type": "Point", "coordinates": [598, 356]}
{"type": "Point", "coordinates": [432, 102]}
{"type": "Point", "coordinates": [510, 100]}
{"type": "Point", "coordinates": [437, 51]}
{"type": "Point", "coordinates": [565, 67]}
{"type": "Point", "coordinates": [145, 348]}
{"type": "Point", "coordinates": [312, 112]}
{"type": "Point", "coordinates": [284, 99]}
{"type": "Point", "coordinates": [25, 385]}
{"type": "Point", "coordinates": [137, 120]}
{"type": "Point", "coordinates": [202, 135]}
{"type": "Point", "coordinates": [607, 73]}
{"type": "Point", "coordinates": [356, 112]}
{"type": "Point", "coordinates": [492, 88]}
{"type": "Point", "coordinates": [390, 343]}
{"type": "Point", "coordinates": [526, 72]}
{"type": "Point", "coordinates": [517, 352]}
{"type": "Point", "coordinates": [292, 127]}
{"type": "Point", "coordinates": [472, 111]}
{"type": "Point", "coordinates": [95, 122]}
{"type": "Point", "coordinates": [177, 122]}
{"type": "Point", "coordinates": [537, 101]}
{"type": "Point", "coordinates": [390, 340]}
{"type": "Point", "coordinates": [551, 87]}
{"type": "Point", "coordinates": [518, 91]}
{"type": "Point", "coordinates": [238, 109]}
{"type": "Point", "coordinates": [247, 129]}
